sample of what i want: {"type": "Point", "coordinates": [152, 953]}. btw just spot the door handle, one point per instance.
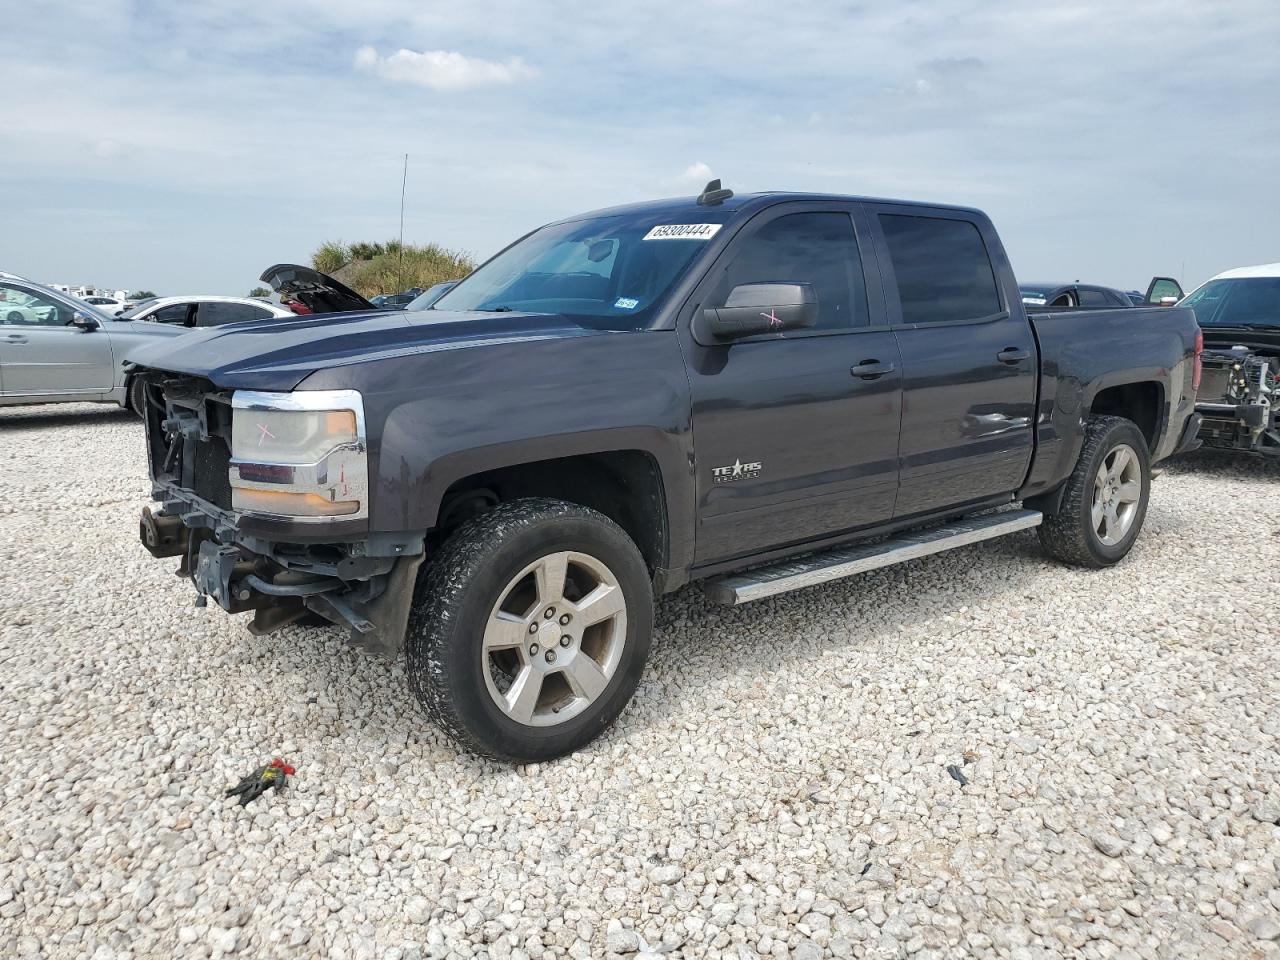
{"type": "Point", "coordinates": [14, 338]}
{"type": "Point", "coordinates": [870, 369]}
{"type": "Point", "coordinates": [1013, 355]}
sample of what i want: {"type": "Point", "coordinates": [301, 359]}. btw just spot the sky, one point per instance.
{"type": "Point", "coordinates": [185, 147]}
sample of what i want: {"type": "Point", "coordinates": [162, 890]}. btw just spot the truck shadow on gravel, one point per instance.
{"type": "Point", "coordinates": [697, 644]}
{"type": "Point", "coordinates": [1224, 465]}
{"type": "Point", "coordinates": [18, 419]}
{"type": "Point", "coordinates": [700, 642]}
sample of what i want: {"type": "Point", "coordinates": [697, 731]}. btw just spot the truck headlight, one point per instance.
{"type": "Point", "coordinates": [299, 456]}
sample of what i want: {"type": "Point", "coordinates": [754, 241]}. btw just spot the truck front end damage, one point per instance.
{"type": "Point", "coordinates": [1238, 401]}
{"type": "Point", "coordinates": [264, 500]}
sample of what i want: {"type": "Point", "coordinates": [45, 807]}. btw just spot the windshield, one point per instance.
{"type": "Point", "coordinates": [606, 272]}
{"type": "Point", "coordinates": [1244, 302]}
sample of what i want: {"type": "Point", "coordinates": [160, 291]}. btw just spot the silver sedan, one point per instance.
{"type": "Point", "coordinates": [55, 348]}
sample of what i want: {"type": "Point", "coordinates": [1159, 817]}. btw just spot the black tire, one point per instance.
{"type": "Point", "coordinates": [1070, 535]}
{"type": "Point", "coordinates": [455, 594]}
{"type": "Point", "coordinates": [138, 398]}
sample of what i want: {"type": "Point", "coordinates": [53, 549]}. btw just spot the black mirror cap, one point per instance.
{"type": "Point", "coordinates": [752, 309]}
{"type": "Point", "coordinates": [83, 321]}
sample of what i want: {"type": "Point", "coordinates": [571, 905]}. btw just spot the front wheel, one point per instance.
{"type": "Point", "coordinates": [1106, 496]}
{"type": "Point", "coordinates": [529, 630]}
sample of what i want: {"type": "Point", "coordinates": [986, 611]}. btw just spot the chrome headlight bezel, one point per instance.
{"type": "Point", "coordinates": [341, 475]}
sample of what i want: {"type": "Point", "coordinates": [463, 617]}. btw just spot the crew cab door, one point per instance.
{"type": "Point", "coordinates": [795, 433]}
{"type": "Point", "coordinates": [42, 354]}
{"type": "Point", "coordinates": [969, 357]}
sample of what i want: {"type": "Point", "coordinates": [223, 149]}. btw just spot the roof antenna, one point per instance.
{"type": "Point", "coordinates": [712, 194]}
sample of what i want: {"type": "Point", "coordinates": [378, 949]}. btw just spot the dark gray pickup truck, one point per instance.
{"type": "Point", "coordinates": [761, 392]}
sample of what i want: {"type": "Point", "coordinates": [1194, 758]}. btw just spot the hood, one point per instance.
{"type": "Point", "coordinates": [317, 291]}
{"type": "Point", "coordinates": [1260, 339]}
{"type": "Point", "coordinates": [278, 354]}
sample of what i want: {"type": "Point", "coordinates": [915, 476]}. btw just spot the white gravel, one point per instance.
{"type": "Point", "coordinates": [778, 788]}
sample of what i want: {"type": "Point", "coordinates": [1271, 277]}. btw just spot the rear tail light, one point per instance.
{"type": "Point", "coordinates": [1198, 368]}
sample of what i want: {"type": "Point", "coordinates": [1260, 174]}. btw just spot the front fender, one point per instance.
{"type": "Point", "coordinates": [437, 418]}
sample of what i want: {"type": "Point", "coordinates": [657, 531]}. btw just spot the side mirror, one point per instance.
{"type": "Point", "coordinates": [82, 321]}
{"type": "Point", "coordinates": [757, 308]}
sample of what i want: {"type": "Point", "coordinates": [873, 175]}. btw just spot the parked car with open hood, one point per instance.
{"type": "Point", "coordinates": [1239, 399]}
{"type": "Point", "coordinates": [55, 348]}
{"type": "Point", "coordinates": [763, 393]}
{"type": "Point", "coordinates": [318, 292]}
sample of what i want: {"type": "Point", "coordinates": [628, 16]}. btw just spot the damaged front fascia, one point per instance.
{"type": "Point", "coordinates": [378, 574]}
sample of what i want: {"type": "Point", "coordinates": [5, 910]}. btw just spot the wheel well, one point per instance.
{"type": "Point", "coordinates": [624, 485]}
{"type": "Point", "coordinates": [1139, 402]}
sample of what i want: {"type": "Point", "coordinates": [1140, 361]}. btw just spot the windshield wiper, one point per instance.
{"type": "Point", "coordinates": [498, 309]}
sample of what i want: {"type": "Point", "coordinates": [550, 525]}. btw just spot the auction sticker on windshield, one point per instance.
{"type": "Point", "coordinates": [683, 231]}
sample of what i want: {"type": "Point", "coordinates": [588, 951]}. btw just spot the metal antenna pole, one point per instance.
{"type": "Point", "coordinates": [403, 180]}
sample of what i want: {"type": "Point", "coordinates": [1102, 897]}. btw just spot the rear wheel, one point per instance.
{"type": "Point", "coordinates": [1106, 496]}
{"type": "Point", "coordinates": [530, 629]}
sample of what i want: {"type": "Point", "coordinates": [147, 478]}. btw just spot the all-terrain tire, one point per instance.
{"type": "Point", "coordinates": [1070, 535]}
{"type": "Point", "coordinates": [455, 594]}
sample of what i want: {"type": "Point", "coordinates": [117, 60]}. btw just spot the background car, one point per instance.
{"type": "Point", "coordinates": [107, 304]}
{"type": "Point", "coordinates": [1161, 292]}
{"type": "Point", "coordinates": [316, 292]}
{"type": "Point", "coordinates": [1058, 295]}
{"type": "Point", "coordinates": [204, 311]}
{"type": "Point", "coordinates": [429, 296]}
{"type": "Point", "coordinates": [1239, 397]}
{"type": "Point", "coordinates": [393, 301]}
{"type": "Point", "coordinates": [55, 348]}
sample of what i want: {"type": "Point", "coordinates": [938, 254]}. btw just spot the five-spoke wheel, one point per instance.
{"type": "Point", "coordinates": [555, 638]}
{"type": "Point", "coordinates": [529, 629]}
{"type": "Point", "coordinates": [1103, 502]}
{"type": "Point", "coordinates": [1117, 491]}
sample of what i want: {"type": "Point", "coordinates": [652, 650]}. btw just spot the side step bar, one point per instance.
{"type": "Point", "coordinates": [788, 575]}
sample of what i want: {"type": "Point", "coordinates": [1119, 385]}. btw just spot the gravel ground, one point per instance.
{"type": "Point", "coordinates": [779, 787]}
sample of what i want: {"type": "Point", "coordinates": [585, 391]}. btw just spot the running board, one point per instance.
{"type": "Point", "coordinates": [842, 562]}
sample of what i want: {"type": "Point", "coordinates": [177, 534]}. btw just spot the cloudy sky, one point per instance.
{"type": "Point", "coordinates": [185, 147]}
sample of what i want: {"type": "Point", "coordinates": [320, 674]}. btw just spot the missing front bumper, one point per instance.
{"type": "Point", "coordinates": [281, 584]}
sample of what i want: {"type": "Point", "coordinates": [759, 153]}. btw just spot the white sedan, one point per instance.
{"type": "Point", "coordinates": [207, 311]}
{"type": "Point", "coordinates": [108, 305]}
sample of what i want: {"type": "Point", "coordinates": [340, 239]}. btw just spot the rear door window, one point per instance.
{"type": "Point", "coordinates": [214, 313]}
{"type": "Point", "coordinates": [1094, 298]}
{"type": "Point", "coordinates": [942, 268]}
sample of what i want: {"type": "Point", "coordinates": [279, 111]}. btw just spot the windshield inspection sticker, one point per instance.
{"type": "Point", "coordinates": [626, 303]}
{"type": "Point", "coordinates": [683, 231]}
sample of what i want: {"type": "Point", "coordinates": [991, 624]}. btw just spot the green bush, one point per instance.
{"type": "Point", "coordinates": [259, 292]}
{"type": "Point", "coordinates": [374, 268]}
{"type": "Point", "coordinates": [331, 256]}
